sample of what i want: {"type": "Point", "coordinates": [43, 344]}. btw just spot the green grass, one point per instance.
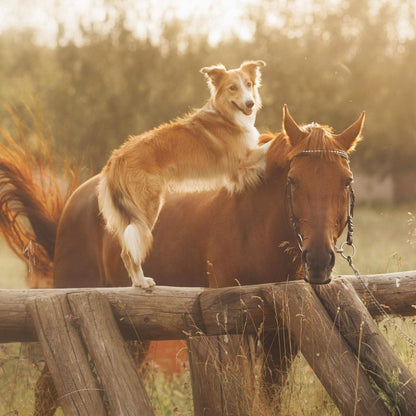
{"type": "Point", "coordinates": [381, 236]}
{"type": "Point", "coordinates": [12, 269]}
{"type": "Point", "coordinates": [170, 396]}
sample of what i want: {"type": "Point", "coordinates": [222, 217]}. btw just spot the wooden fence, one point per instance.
{"type": "Point", "coordinates": [329, 323]}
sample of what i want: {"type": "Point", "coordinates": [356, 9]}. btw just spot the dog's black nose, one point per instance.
{"type": "Point", "coordinates": [250, 103]}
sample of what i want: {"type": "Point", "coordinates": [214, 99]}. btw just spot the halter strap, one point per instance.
{"type": "Point", "coordinates": [350, 202]}
{"type": "Point", "coordinates": [309, 152]}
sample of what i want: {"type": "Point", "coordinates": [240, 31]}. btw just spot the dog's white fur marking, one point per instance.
{"type": "Point", "coordinates": [214, 147]}
{"type": "Point", "coordinates": [140, 281]}
{"type": "Point", "coordinates": [133, 243]}
{"type": "Point", "coordinates": [110, 214]}
{"type": "Point", "coordinates": [132, 240]}
{"type": "Point", "coordinates": [252, 137]}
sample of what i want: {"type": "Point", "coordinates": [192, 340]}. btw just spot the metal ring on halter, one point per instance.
{"type": "Point", "coordinates": [341, 250]}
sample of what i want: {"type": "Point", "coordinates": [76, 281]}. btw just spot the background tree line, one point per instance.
{"type": "Point", "coordinates": [328, 65]}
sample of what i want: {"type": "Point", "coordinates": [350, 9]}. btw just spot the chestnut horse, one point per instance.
{"type": "Point", "coordinates": [217, 239]}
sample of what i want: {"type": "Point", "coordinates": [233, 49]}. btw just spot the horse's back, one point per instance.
{"type": "Point", "coordinates": [79, 257]}
{"type": "Point", "coordinates": [87, 255]}
{"type": "Point", "coordinates": [180, 238]}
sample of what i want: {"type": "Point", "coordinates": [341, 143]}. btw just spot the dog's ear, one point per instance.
{"type": "Point", "coordinates": [214, 74]}
{"type": "Point", "coordinates": [253, 69]}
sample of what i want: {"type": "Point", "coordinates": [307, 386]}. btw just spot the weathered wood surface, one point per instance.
{"type": "Point", "coordinates": [205, 375]}
{"type": "Point", "coordinates": [78, 391]}
{"type": "Point", "coordinates": [395, 291]}
{"type": "Point", "coordinates": [156, 314]}
{"type": "Point", "coordinates": [112, 360]}
{"type": "Point", "coordinates": [222, 374]}
{"type": "Point", "coordinates": [326, 351]}
{"type": "Point", "coordinates": [362, 334]}
{"type": "Point", "coordinates": [159, 313]}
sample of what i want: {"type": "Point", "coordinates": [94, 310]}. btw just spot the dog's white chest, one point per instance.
{"type": "Point", "coordinates": [251, 137]}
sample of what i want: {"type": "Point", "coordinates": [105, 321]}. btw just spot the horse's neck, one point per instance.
{"type": "Point", "coordinates": [263, 243]}
{"type": "Point", "coordinates": [267, 203]}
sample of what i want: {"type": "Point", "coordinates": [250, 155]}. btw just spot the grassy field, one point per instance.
{"type": "Point", "coordinates": [385, 241]}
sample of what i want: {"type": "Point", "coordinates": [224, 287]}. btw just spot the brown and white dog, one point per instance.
{"type": "Point", "coordinates": [213, 147]}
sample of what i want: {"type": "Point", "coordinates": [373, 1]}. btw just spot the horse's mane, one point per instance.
{"type": "Point", "coordinates": [277, 155]}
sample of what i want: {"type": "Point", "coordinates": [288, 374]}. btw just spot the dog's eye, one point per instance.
{"type": "Point", "coordinates": [249, 84]}
{"type": "Point", "coordinates": [233, 87]}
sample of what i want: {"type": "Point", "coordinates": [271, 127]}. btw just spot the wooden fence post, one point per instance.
{"type": "Point", "coordinates": [206, 386]}
{"type": "Point", "coordinates": [78, 391]}
{"type": "Point", "coordinates": [222, 374]}
{"type": "Point", "coordinates": [237, 373]}
{"type": "Point", "coordinates": [325, 350]}
{"type": "Point", "coordinates": [362, 334]}
{"type": "Point", "coordinates": [222, 366]}
{"type": "Point", "coordinates": [113, 362]}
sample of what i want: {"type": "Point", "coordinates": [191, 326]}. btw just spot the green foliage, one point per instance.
{"type": "Point", "coordinates": [170, 395]}
{"type": "Point", "coordinates": [327, 64]}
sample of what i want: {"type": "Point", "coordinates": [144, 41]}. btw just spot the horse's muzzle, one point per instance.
{"type": "Point", "coordinates": [318, 265]}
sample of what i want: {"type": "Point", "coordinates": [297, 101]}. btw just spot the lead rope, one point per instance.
{"type": "Point", "coordinates": [388, 318]}
{"type": "Point", "coordinates": [350, 229]}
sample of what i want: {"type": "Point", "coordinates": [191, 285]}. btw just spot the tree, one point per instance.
{"type": "Point", "coordinates": [327, 63]}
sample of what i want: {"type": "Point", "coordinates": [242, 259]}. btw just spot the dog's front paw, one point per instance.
{"type": "Point", "coordinates": [145, 283]}
{"type": "Point", "coordinates": [148, 282]}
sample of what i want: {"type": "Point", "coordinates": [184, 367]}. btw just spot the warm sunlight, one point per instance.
{"type": "Point", "coordinates": [249, 166]}
{"type": "Point", "coordinates": [219, 19]}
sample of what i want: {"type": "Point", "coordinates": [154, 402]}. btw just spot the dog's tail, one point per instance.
{"type": "Point", "coordinates": [123, 217]}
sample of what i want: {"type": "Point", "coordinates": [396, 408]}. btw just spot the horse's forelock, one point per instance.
{"type": "Point", "coordinates": [281, 152]}
{"type": "Point", "coordinates": [319, 138]}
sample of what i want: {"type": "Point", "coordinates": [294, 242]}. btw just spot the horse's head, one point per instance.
{"type": "Point", "coordinates": [319, 190]}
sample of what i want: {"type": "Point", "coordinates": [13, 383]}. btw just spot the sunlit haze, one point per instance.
{"type": "Point", "coordinates": [217, 18]}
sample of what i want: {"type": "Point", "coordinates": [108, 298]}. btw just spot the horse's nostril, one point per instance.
{"type": "Point", "coordinates": [250, 103]}
{"type": "Point", "coordinates": [332, 259]}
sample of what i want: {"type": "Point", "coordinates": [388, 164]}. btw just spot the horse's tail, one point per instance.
{"type": "Point", "coordinates": [31, 201]}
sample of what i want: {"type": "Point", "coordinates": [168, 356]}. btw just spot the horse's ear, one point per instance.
{"type": "Point", "coordinates": [292, 130]}
{"type": "Point", "coordinates": [253, 69]}
{"type": "Point", "coordinates": [349, 138]}
{"type": "Point", "coordinates": [214, 74]}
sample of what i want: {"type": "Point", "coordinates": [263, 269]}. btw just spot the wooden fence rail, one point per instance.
{"type": "Point", "coordinates": [159, 313]}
